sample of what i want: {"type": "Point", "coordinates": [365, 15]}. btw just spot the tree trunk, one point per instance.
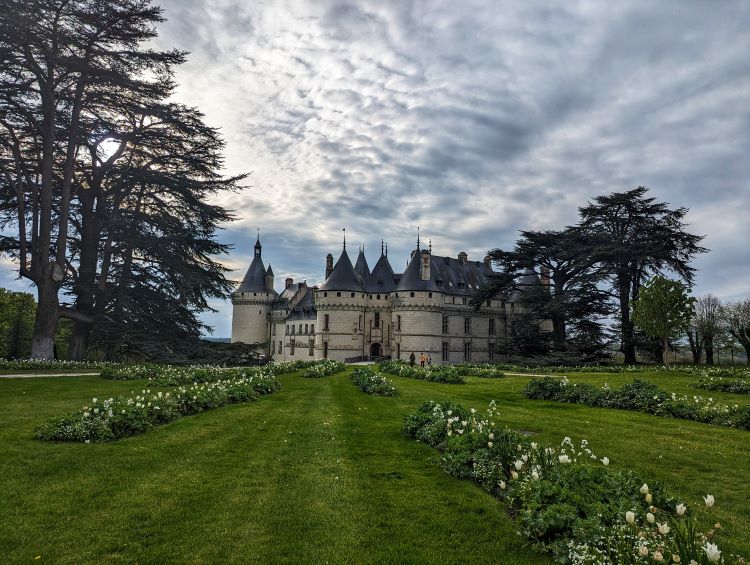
{"type": "Point", "coordinates": [558, 331]}
{"type": "Point", "coordinates": [79, 341]}
{"type": "Point", "coordinates": [665, 353]}
{"type": "Point", "coordinates": [45, 323]}
{"type": "Point", "coordinates": [628, 342]}
{"type": "Point", "coordinates": [709, 351]}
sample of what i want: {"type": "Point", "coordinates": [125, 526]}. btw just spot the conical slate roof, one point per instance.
{"type": "Point", "coordinates": [528, 278]}
{"type": "Point", "coordinates": [269, 271]}
{"type": "Point", "coordinates": [381, 279]}
{"type": "Point", "coordinates": [255, 278]}
{"type": "Point", "coordinates": [412, 278]}
{"type": "Point", "coordinates": [343, 276]}
{"type": "Point", "coordinates": [361, 267]}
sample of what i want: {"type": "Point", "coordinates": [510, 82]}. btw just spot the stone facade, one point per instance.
{"type": "Point", "coordinates": [357, 314]}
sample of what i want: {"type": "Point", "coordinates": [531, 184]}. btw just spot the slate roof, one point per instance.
{"type": "Point", "coordinates": [255, 278]}
{"type": "Point", "coordinates": [382, 278]}
{"type": "Point", "coordinates": [305, 309]}
{"type": "Point", "coordinates": [361, 267]}
{"type": "Point", "coordinates": [447, 274]}
{"type": "Point", "coordinates": [527, 278]}
{"type": "Point", "coordinates": [343, 276]}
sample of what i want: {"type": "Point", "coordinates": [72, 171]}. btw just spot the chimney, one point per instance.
{"type": "Point", "coordinates": [544, 278]}
{"type": "Point", "coordinates": [289, 281]}
{"type": "Point", "coordinates": [463, 257]}
{"type": "Point", "coordinates": [424, 270]}
{"type": "Point", "coordinates": [329, 265]}
{"type": "Point", "coordinates": [488, 261]}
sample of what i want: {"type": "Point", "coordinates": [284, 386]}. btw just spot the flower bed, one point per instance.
{"type": "Point", "coordinates": [120, 417]}
{"type": "Point", "coordinates": [567, 500]}
{"type": "Point", "coordinates": [640, 396]}
{"type": "Point", "coordinates": [433, 373]}
{"type": "Point", "coordinates": [485, 371]}
{"type": "Point", "coordinates": [323, 369]}
{"type": "Point", "coordinates": [736, 386]}
{"type": "Point", "coordinates": [371, 382]}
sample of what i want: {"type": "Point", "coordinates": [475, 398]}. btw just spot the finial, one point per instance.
{"type": "Point", "coordinates": [417, 238]}
{"type": "Point", "coordinates": [381, 245]}
{"type": "Point", "coordinates": [386, 250]}
{"type": "Point", "coordinates": [430, 246]}
{"type": "Point", "coordinates": [344, 239]}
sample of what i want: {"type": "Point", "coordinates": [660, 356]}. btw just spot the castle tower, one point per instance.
{"type": "Point", "coordinates": [251, 302]}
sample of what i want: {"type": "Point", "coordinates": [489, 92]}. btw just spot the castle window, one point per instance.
{"type": "Point", "coordinates": [411, 294]}
{"type": "Point", "coordinates": [291, 347]}
{"type": "Point", "coordinates": [467, 325]}
{"type": "Point", "coordinates": [491, 350]}
{"type": "Point", "coordinates": [325, 295]}
{"type": "Point", "coordinates": [398, 323]}
{"type": "Point", "coordinates": [467, 351]}
{"type": "Point", "coordinates": [281, 346]}
{"type": "Point", "coordinates": [312, 346]}
{"type": "Point", "coordinates": [397, 295]}
{"type": "Point", "coordinates": [286, 329]}
{"type": "Point", "coordinates": [352, 295]}
{"type": "Point", "coordinates": [338, 294]}
{"type": "Point", "coordinates": [326, 319]}
{"type": "Point", "coordinates": [325, 350]}
{"type": "Point", "coordinates": [312, 329]}
{"type": "Point", "coordinates": [377, 320]}
{"type": "Point", "coordinates": [292, 329]}
{"type": "Point", "coordinates": [378, 297]}
{"type": "Point", "coordinates": [489, 303]}
{"type": "Point", "coordinates": [464, 301]}
{"type": "Point", "coordinates": [430, 295]}
{"type": "Point", "coordinates": [260, 312]}
{"type": "Point", "coordinates": [446, 350]}
{"type": "Point", "coordinates": [445, 324]}
{"type": "Point", "coordinates": [359, 322]}
{"type": "Point", "coordinates": [273, 347]}
{"type": "Point", "coordinates": [369, 297]}
{"type": "Point", "coordinates": [307, 329]}
{"type": "Point", "coordinates": [273, 329]}
{"type": "Point", "coordinates": [454, 299]}
{"type": "Point", "coordinates": [300, 328]}
{"type": "Point", "coordinates": [492, 326]}
{"type": "Point", "coordinates": [398, 351]}
{"type": "Point", "coordinates": [255, 294]}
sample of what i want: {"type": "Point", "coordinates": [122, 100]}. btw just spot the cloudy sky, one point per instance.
{"type": "Point", "coordinates": [470, 119]}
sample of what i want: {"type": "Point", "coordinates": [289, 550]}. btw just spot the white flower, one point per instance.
{"type": "Point", "coordinates": [460, 432]}
{"type": "Point", "coordinates": [535, 475]}
{"type": "Point", "coordinates": [681, 509]}
{"type": "Point", "coordinates": [605, 461]}
{"type": "Point", "coordinates": [518, 464]}
{"type": "Point", "coordinates": [676, 558]}
{"type": "Point", "coordinates": [658, 556]}
{"type": "Point", "coordinates": [650, 518]}
{"type": "Point", "coordinates": [709, 499]}
{"type": "Point", "coordinates": [492, 436]}
{"type": "Point", "coordinates": [534, 445]}
{"type": "Point", "coordinates": [712, 552]}
{"type": "Point", "coordinates": [644, 489]}
{"type": "Point", "coordinates": [489, 444]}
{"type": "Point", "coordinates": [450, 433]}
{"type": "Point", "coordinates": [664, 528]}
{"type": "Point", "coordinates": [513, 474]}
{"type": "Point", "coordinates": [649, 498]}
{"type": "Point", "coordinates": [643, 550]}
{"type": "Point", "coordinates": [629, 517]}
{"type": "Point", "coordinates": [473, 410]}
{"type": "Point", "coordinates": [564, 459]}
{"type": "Point", "coordinates": [525, 458]}
{"type": "Point", "coordinates": [502, 485]}
{"type": "Point", "coordinates": [94, 400]}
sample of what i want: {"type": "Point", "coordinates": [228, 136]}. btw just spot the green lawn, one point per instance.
{"type": "Point", "coordinates": [318, 472]}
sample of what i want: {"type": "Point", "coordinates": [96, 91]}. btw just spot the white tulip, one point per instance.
{"type": "Point", "coordinates": [681, 509]}
{"type": "Point", "coordinates": [644, 489]}
{"type": "Point", "coordinates": [502, 485]}
{"type": "Point", "coordinates": [629, 517]}
{"type": "Point", "coordinates": [489, 444]}
{"type": "Point", "coordinates": [650, 518]}
{"type": "Point", "coordinates": [524, 458]}
{"type": "Point", "coordinates": [535, 475]}
{"type": "Point", "coordinates": [514, 475]}
{"type": "Point", "coordinates": [712, 552]}
{"type": "Point", "coordinates": [534, 445]}
{"type": "Point", "coordinates": [605, 461]}
{"type": "Point", "coordinates": [643, 550]}
{"type": "Point", "coordinates": [658, 556]}
{"type": "Point", "coordinates": [564, 459]}
{"type": "Point", "coordinates": [649, 498]}
{"type": "Point", "coordinates": [518, 464]}
{"type": "Point", "coordinates": [664, 529]}
{"type": "Point", "coordinates": [709, 499]}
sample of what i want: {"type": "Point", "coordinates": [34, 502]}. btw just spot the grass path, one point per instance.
{"type": "Point", "coordinates": [318, 472]}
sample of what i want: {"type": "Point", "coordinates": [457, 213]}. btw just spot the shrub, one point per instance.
{"type": "Point", "coordinates": [116, 418]}
{"type": "Point", "coordinates": [371, 382]}
{"type": "Point", "coordinates": [323, 369]}
{"type": "Point", "coordinates": [640, 396]}
{"type": "Point", "coordinates": [45, 365]}
{"type": "Point", "coordinates": [736, 386]}
{"type": "Point", "coordinates": [432, 373]}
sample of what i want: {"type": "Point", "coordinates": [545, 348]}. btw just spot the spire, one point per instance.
{"type": "Point", "coordinates": [386, 250]}
{"type": "Point", "coordinates": [430, 246]}
{"type": "Point", "coordinates": [258, 246]}
{"type": "Point", "coordinates": [344, 239]}
{"type": "Point", "coordinates": [417, 238]}
{"type": "Point", "coordinates": [381, 245]}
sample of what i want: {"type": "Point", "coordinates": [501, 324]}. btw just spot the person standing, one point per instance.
{"type": "Point", "coordinates": [412, 358]}
{"type": "Point", "coordinates": [422, 359]}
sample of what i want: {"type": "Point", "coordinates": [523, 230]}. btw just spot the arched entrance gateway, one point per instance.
{"type": "Point", "coordinates": [376, 350]}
